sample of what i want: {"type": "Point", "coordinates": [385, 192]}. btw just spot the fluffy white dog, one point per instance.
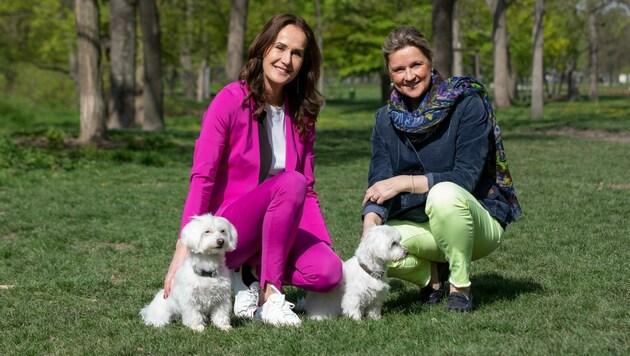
{"type": "Point", "coordinates": [364, 286]}
{"type": "Point", "coordinates": [202, 284]}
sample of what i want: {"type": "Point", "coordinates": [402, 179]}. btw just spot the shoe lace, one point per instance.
{"type": "Point", "coordinates": [281, 304]}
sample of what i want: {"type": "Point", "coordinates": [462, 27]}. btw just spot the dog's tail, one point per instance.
{"type": "Point", "coordinates": [157, 313]}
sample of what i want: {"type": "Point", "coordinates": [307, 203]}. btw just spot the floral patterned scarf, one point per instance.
{"type": "Point", "coordinates": [437, 105]}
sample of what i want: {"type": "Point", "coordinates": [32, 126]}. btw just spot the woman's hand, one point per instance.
{"type": "Point", "coordinates": [181, 254]}
{"type": "Point", "coordinates": [386, 189]}
{"type": "Point", "coordinates": [369, 220]}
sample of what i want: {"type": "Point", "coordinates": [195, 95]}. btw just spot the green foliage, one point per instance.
{"type": "Point", "coordinates": [83, 249]}
{"type": "Point", "coordinates": [520, 24]}
{"type": "Point", "coordinates": [476, 28]}
{"type": "Point", "coordinates": [203, 29]}
{"type": "Point", "coordinates": [41, 86]}
{"type": "Point", "coordinates": [353, 41]}
{"type": "Point", "coordinates": [37, 32]}
{"type": "Point", "coordinates": [37, 38]}
{"type": "Point", "coordinates": [565, 34]}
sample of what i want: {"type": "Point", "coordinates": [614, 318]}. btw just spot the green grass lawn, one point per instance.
{"type": "Point", "coordinates": [86, 235]}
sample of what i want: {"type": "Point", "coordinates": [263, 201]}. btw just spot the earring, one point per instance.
{"type": "Point", "coordinates": [391, 84]}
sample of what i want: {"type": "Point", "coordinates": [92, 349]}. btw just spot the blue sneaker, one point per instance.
{"type": "Point", "coordinates": [458, 302]}
{"type": "Point", "coordinates": [431, 296]}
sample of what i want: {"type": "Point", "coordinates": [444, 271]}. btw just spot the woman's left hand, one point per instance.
{"type": "Point", "coordinates": [386, 189]}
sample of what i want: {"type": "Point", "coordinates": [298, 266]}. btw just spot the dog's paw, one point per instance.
{"type": "Point", "coordinates": [198, 328]}
{"type": "Point", "coordinates": [354, 315]}
{"type": "Point", "coordinates": [223, 327]}
{"type": "Point", "coordinates": [319, 317]}
{"type": "Point", "coordinates": [374, 314]}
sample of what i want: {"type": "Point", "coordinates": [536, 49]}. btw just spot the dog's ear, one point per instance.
{"type": "Point", "coordinates": [191, 233]}
{"type": "Point", "coordinates": [366, 247]}
{"type": "Point", "coordinates": [232, 236]}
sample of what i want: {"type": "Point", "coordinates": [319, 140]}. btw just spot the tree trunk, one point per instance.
{"type": "Point", "coordinates": [152, 95]}
{"type": "Point", "coordinates": [185, 58]}
{"type": "Point", "coordinates": [573, 91]}
{"type": "Point", "coordinates": [203, 72]}
{"type": "Point", "coordinates": [236, 39]}
{"type": "Point", "coordinates": [73, 67]}
{"type": "Point", "coordinates": [188, 74]}
{"type": "Point", "coordinates": [442, 19]}
{"type": "Point", "coordinates": [458, 55]}
{"type": "Point", "coordinates": [203, 80]}
{"type": "Point", "coordinates": [592, 51]}
{"type": "Point", "coordinates": [123, 63]}
{"type": "Point", "coordinates": [138, 102]}
{"type": "Point", "coordinates": [320, 42]}
{"type": "Point", "coordinates": [501, 94]}
{"type": "Point", "coordinates": [537, 65]}
{"type": "Point", "coordinates": [92, 107]}
{"type": "Point", "coordinates": [513, 81]}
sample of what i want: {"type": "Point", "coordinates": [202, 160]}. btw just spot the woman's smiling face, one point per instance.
{"type": "Point", "coordinates": [283, 60]}
{"type": "Point", "coordinates": [410, 72]}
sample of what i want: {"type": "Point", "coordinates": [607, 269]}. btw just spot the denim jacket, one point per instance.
{"type": "Point", "coordinates": [456, 152]}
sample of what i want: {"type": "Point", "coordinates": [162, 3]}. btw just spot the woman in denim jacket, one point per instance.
{"type": "Point", "coordinates": [438, 171]}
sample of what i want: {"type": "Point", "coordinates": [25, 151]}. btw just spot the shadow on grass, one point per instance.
{"type": "Point", "coordinates": [340, 146]}
{"type": "Point", "coordinates": [488, 288]}
{"type": "Point", "coordinates": [354, 105]}
{"type": "Point", "coordinates": [492, 287]}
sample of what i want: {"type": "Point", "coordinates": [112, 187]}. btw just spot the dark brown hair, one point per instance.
{"type": "Point", "coordinates": [304, 99]}
{"type": "Point", "coordinates": [405, 36]}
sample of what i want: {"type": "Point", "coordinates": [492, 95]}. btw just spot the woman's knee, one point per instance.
{"type": "Point", "coordinates": [411, 269]}
{"type": "Point", "coordinates": [323, 277]}
{"type": "Point", "coordinates": [292, 182]}
{"type": "Point", "coordinates": [445, 196]}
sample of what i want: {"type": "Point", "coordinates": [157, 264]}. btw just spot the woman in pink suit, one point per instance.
{"type": "Point", "coordinates": [253, 165]}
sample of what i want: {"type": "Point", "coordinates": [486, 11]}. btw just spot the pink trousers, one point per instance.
{"type": "Point", "coordinates": [283, 234]}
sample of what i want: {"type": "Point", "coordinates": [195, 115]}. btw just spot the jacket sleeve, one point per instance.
{"type": "Point", "coordinates": [380, 169]}
{"type": "Point", "coordinates": [209, 146]}
{"type": "Point", "coordinates": [472, 145]}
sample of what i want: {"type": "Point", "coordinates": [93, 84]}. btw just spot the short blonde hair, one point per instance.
{"type": "Point", "coordinates": [405, 36]}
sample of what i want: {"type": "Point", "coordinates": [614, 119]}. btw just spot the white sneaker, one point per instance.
{"type": "Point", "coordinates": [277, 311]}
{"type": "Point", "coordinates": [245, 298]}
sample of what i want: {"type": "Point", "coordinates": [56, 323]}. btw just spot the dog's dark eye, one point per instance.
{"type": "Point", "coordinates": [207, 231]}
{"type": "Point", "coordinates": [394, 243]}
{"type": "Point", "coordinates": [222, 231]}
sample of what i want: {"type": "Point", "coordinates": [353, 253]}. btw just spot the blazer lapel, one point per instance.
{"type": "Point", "coordinates": [292, 141]}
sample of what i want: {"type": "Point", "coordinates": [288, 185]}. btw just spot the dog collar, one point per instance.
{"type": "Point", "coordinates": [201, 273]}
{"type": "Point", "coordinates": [375, 274]}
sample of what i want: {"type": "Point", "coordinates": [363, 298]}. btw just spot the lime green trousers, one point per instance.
{"type": "Point", "coordinates": [459, 230]}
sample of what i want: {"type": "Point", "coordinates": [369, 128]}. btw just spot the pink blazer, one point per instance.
{"type": "Point", "coordinates": [226, 162]}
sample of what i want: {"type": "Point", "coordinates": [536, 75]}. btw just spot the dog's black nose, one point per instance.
{"type": "Point", "coordinates": [220, 242]}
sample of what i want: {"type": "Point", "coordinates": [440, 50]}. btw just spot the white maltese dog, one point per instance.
{"type": "Point", "coordinates": [364, 286]}
{"type": "Point", "coordinates": [202, 284]}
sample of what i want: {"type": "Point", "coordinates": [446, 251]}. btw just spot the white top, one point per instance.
{"type": "Point", "coordinates": [274, 123]}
